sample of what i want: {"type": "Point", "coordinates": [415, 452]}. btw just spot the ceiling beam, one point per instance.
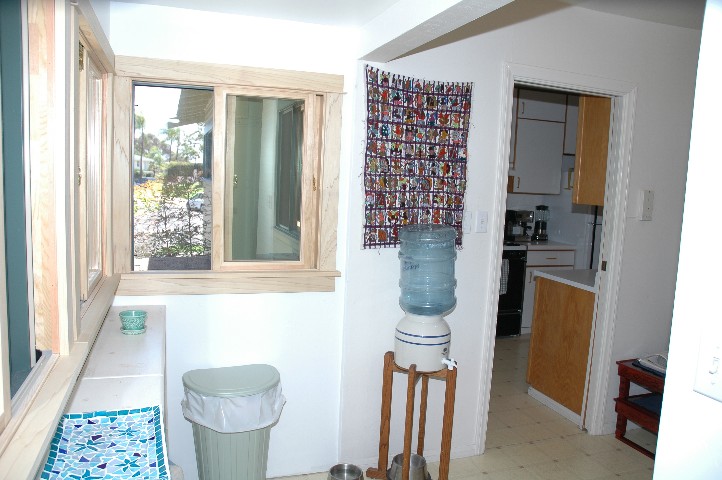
{"type": "Point", "coordinates": [408, 24]}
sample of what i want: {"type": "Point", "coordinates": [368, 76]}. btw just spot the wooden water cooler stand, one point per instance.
{"type": "Point", "coordinates": [448, 375]}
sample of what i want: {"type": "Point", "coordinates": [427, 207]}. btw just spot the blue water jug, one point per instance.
{"type": "Point", "coordinates": [427, 257]}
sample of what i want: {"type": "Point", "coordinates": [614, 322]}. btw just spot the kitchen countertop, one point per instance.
{"type": "Point", "coordinates": [548, 246]}
{"type": "Point", "coordinates": [538, 246]}
{"type": "Point", "coordinates": [584, 279]}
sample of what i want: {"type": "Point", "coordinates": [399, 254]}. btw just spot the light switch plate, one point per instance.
{"type": "Point", "coordinates": [647, 205]}
{"type": "Point", "coordinates": [708, 380]}
{"type": "Point", "coordinates": [482, 221]}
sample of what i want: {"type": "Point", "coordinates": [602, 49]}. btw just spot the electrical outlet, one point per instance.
{"type": "Point", "coordinates": [708, 380]}
{"type": "Point", "coordinates": [647, 205]}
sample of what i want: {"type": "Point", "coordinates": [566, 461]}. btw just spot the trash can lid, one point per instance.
{"type": "Point", "coordinates": [239, 381]}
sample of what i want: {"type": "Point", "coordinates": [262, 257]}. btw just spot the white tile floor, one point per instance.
{"type": "Point", "coordinates": [527, 440]}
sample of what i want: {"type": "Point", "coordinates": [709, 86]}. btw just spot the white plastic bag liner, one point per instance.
{"type": "Point", "coordinates": [234, 414]}
{"type": "Point", "coordinates": [233, 399]}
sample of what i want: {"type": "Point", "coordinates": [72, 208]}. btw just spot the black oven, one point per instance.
{"type": "Point", "coordinates": [511, 291]}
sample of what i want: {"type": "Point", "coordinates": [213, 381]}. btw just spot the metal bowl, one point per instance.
{"type": "Point", "coordinates": [345, 471]}
{"type": "Point", "coordinates": [417, 468]}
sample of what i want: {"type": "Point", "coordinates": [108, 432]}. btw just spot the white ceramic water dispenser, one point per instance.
{"type": "Point", "coordinates": [427, 282]}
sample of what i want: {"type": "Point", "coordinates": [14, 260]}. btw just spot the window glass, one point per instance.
{"type": "Point", "coordinates": [172, 158]}
{"type": "Point", "coordinates": [264, 163]}
{"type": "Point", "coordinates": [21, 338]}
{"type": "Point", "coordinates": [93, 170]}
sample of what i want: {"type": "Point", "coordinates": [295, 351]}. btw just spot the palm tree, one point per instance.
{"type": "Point", "coordinates": [172, 134]}
{"type": "Point", "coordinates": [140, 124]}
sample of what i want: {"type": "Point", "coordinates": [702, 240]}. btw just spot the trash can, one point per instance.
{"type": "Point", "coordinates": [232, 410]}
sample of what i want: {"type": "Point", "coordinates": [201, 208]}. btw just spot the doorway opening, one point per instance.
{"type": "Point", "coordinates": [551, 229]}
{"type": "Point", "coordinates": [607, 247]}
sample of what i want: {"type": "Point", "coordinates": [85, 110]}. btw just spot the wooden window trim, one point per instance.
{"type": "Point", "coordinates": [90, 279]}
{"type": "Point", "coordinates": [317, 270]}
{"type": "Point", "coordinates": [71, 327]}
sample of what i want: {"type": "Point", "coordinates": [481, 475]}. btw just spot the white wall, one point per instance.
{"type": "Point", "coordinates": [300, 334]}
{"type": "Point", "coordinates": [194, 35]}
{"type": "Point", "coordinates": [690, 437]}
{"type": "Point", "coordinates": [102, 11]}
{"type": "Point", "coordinates": [329, 347]}
{"type": "Point", "coordinates": [660, 60]}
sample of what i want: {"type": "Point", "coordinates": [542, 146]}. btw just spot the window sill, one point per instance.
{"type": "Point", "coordinates": [26, 449]}
{"type": "Point", "coordinates": [206, 283]}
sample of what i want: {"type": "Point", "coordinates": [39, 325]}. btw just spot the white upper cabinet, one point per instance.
{"type": "Point", "coordinates": [538, 136]}
{"type": "Point", "coordinates": [537, 105]}
{"type": "Point", "coordinates": [513, 128]}
{"type": "Point", "coordinates": [570, 131]}
{"type": "Point", "coordinates": [538, 157]}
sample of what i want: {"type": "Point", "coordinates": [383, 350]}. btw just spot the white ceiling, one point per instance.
{"type": "Point", "coordinates": [682, 13]}
{"type": "Point", "coordinates": [326, 12]}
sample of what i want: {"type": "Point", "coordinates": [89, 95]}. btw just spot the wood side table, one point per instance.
{"type": "Point", "coordinates": [645, 409]}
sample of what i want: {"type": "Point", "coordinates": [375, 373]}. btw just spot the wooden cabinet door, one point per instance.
{"type": "Point", "coordinates": [538, 157]}
{"type": "Point", "coordinates": [590, 165]}
{"type": "Point", "coordinates": [559, 345]}
{"type": "Point", "coordinates": [527, 310]}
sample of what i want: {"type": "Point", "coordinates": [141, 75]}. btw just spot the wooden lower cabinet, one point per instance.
{"type": "Point", "coordinates": [559, 346]}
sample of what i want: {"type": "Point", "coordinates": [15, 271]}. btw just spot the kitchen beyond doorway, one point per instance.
{"type": "Point", "coordinates": [547, 129]}
{"type": "Point", "coordinates": [623, 97]}
{"type": "Point", "coordinates": [543, 146]}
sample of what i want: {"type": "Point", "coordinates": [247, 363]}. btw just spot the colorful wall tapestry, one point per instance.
{"type": "Point", "coordinates": [415, 167]}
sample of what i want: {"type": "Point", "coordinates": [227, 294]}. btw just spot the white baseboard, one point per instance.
{"type": "Point", "coordinates": [611, 427]}
{"type": "Point", "coordinates": [430, 456]}
{"type": "Point", "coordinates": [557, 407]}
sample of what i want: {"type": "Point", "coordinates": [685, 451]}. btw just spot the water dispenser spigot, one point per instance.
{"type": "Point", "coordinates": [449, 362]}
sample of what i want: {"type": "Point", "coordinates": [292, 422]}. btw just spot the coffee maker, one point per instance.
{"type": "Point", "coordinates": [517, 225]}
{"type": "Point", "coordinates": [541, 216]}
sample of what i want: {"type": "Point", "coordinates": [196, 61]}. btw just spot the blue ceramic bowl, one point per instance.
{"type": "Point", "coordinates": [133, 319]}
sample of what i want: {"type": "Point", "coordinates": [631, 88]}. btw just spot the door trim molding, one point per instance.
{"type": "Point", "coordinates": [623, 95]}
{"type": "Point", "coordinates": [613, 231]}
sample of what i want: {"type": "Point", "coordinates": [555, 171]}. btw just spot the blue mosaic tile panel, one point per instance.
{"type": "Point", "coordinates": [124, 444]}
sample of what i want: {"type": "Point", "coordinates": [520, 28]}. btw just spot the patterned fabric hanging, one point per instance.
{"type": "Point", "coordinates": [415, 166]}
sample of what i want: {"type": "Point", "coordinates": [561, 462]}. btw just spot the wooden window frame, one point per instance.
{"type": "Point", "coordinates": [64, 323]}
{"type": "Point", "coordinates": [317, 269]}
{"type": "Point", "coordinates": [91, 176]}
